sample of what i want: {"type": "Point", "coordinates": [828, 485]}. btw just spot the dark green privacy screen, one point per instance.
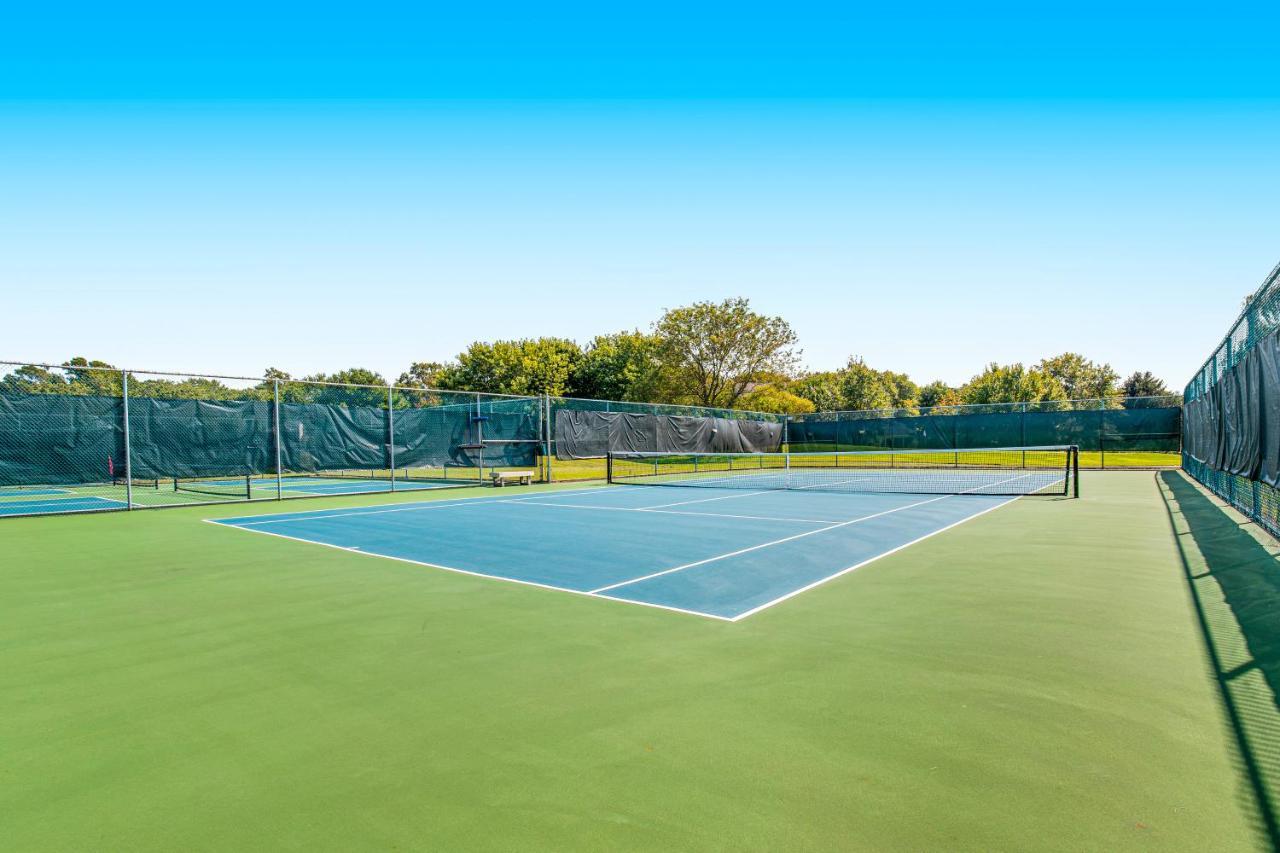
{"type": "Point", "coordinates": [198, 438]}
{"type": "Point", "coordinates": [59, 439]}
{"type": "Point", "coordinates": [1138, 429]}
{"type": "Point", "coordinates": [82, 438]}
{"type": "Point", "coordinates": [1231, 431]}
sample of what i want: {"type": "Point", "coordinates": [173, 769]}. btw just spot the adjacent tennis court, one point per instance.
{"type": "Point", "coordinates": [725, 553]}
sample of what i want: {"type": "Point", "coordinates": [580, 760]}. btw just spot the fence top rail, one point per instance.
{"type": "Point", "coordinates": [135, 372]}
{"type": "Point", "coordinates": [1170, 401]}
{"type": "Point", "coordinates": [687, 407]}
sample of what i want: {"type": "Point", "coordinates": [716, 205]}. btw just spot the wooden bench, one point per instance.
{"type": "Point", "coordinates": [502, 478]}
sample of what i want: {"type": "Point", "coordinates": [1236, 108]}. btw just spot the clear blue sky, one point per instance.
{"type": "Point", "coordinates": [318, 188]}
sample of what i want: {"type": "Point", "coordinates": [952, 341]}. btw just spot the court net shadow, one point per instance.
{"type": "Point", "coordinates": [1233, 571]}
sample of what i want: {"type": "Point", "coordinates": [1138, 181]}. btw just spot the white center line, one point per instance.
{"type": "Point", "coordinates": [708, 500]}
{"type": "Point", "coordinates": [768, 544]}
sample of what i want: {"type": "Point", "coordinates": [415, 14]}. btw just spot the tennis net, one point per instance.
{"type": "Point", "coordinates": [993, 471]}
{"type": "Point", "coordinates": [223, 487]}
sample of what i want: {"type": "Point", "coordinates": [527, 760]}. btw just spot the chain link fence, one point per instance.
{"type": "Point", "coordinates": [1112, 432]}
{"type": "Point", "coordinates": [556, 467]}
{"type": "Point", "coordinates": [1230, 404]}
{"type": "Point", "coordinates": [82, 438]}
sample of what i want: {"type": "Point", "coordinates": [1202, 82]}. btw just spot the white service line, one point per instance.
{"type": "Point", "coordinates": [857, 566]}
{"type": "Point", "coordinates": [768, 544]}
{"type": "Point", "coordinates": [709, 500]}
{"type": "Point", "coordinates": [678, 512]}
{"type": "Point", "coordinates": [351, 550]}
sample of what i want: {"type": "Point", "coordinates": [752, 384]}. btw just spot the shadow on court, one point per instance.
{"type": "Point", "coordinates": [1234, 579]}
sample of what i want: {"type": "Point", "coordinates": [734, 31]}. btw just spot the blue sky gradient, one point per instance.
{"type": "Point", "coordinates": [931, 192]}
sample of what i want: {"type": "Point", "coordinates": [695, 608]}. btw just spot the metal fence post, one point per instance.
{"type": "Point", "coordinates": [391, 435]}
{"type": "Point", "coordinates": [128, 456]}
{"type": "Point", "coordinates": [480, 436]}
{"type": "Point", "coordinates": [279, 441]}
{"type": "Point", "coordinates": [547, 427]}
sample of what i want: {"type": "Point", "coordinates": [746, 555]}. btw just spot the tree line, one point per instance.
{"type": "Point", "coordinates": [720, 354]}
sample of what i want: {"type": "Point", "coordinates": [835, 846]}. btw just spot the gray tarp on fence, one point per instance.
{"type": "Point", "coordinates": [590, 435]}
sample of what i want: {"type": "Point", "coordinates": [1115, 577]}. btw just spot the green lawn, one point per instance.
{"type": "Point", "coordinates": [1034, 679]}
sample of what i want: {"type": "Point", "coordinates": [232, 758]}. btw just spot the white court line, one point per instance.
{"type": "Point", "coordinates": [586, 593]}
{"type": "Point", "coordinates": [857, 566]}
{"type": "Point", "coordinates": [309, 515]}
{"type": "Point", "coordinates": [708, 500]}
{"type": "Point", "coordinates": [769, 544]}
{"type": "Point", "coordinates": [678, 512]}
{"type": "Point", "coordinates": [791, 538]}
{"type": "Point", "coordinates": [59, 502]}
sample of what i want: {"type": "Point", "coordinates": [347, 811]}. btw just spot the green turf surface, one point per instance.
{"type": "Point", "coordinates": [1033, 679]}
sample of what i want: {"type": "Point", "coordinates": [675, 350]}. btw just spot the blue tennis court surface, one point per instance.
{"type": "Point", "coordinates": [71, 504]}
{"type": "Point", "coordinates": [21, 492]}
{"type": "Point", "coordinates": [721, 553]}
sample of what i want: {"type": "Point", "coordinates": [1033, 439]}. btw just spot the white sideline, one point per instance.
{"type": "Point", "coordinates": [586, 593]}
{"type": "Point", "coordinates": [793, 593]}
{"type": "Point", "coordinates": [600, 592]}
{"type": "Point", "coordinates": [282, 518]}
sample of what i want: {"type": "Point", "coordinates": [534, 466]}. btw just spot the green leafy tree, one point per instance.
{"type": "Point", "coordinates": [1080, 378]}
{"type": "Point", "coordinates": [291, 391]}
{"type": "Point", "coordinates": [821, 388]}
{"type": "Point", "coordinates": [421, 374]}
{"type": "Point", "coordinates": [622, 366]}
{"type": "Point", "coordinates": [103, 382]}
{"type": "Point", "coordinates": [188, 388]}
{"type": "Point", "coordinates": [906, 394]}
{"type": "Point", "coordinates": [1143, 384]}
{"type": "Point", "coordinates": [773, 398]}
{"type": "Point", "coordinates": [1012, 383]}
{"type": "Point", "coordinates": [712, 352]}
{"type": "Point", "coordinates": [862, 387]}
{"type": "Point", "coordinates": [30, 379]}
{"type": "Point", "coordinates": [531, 366]}
{"type": "Point", "coordinates": [341, 392]}
{"type": "Point", "coordinates": [939, 393]}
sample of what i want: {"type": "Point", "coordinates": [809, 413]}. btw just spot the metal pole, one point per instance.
{"type": "Point", "coordinates": [391, 436]}
{"type": "Point", "coordinates": [1022, 432]}
{"type": "Point", "coordinates": [546, 425]}
{"type": "Point", "coordinates": [128, 456]}
{"type": "Point", "coordinates": [480, 438]}
{"type": "Point", "coordinates": [279, 441]}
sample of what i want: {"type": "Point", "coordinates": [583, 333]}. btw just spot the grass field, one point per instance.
{"type": "Point", "coordinates": [1037, 678]}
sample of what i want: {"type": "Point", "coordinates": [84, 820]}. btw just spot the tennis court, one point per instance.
{"type": "Point", "coordinates": [99, 497]}
{"type": "Point", "coordinates": [725, 553]}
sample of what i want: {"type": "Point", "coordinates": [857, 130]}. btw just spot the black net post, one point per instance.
{"type": "Point", "coordinates": [1073, 468]}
